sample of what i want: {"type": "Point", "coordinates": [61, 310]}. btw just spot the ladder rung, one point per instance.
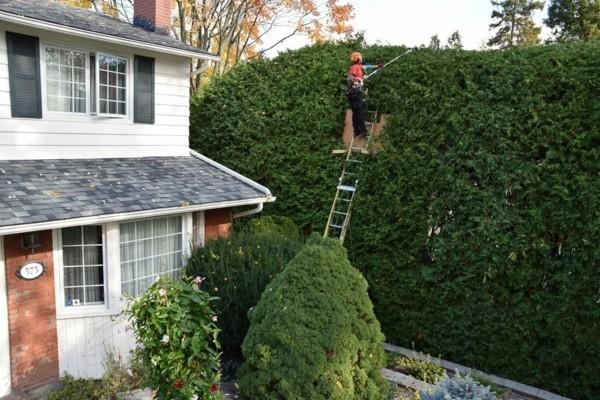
{"type": "Point", "coordinates": [340, 151]}
{"type": "Point", "coordinates": [358, 161]}
{"type": "Point", "coordinates": [344, 200]}
{"type": "Point", "coordinates": [340, 213]}
{"type": "Point", "coordinates": [346, 188]}
{"type": "Point", "coordinates": [361, 150]}
{"type": "Point", "coordinates": [336, 226]}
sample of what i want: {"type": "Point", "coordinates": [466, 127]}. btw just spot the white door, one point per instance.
{"type": "Point", "coordinates": [4, 349]}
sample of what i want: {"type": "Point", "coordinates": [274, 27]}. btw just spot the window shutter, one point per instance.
{"type": "Point", "coordinates": [24, 75]}
{"type": "Point", "coordinates": [143, 91]}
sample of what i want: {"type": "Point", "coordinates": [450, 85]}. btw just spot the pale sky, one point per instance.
{"type": "Point", "coordinates": [413, 22]}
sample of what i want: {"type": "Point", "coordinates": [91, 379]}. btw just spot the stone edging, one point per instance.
{"type": "Point", "coordinates": [506, 383]}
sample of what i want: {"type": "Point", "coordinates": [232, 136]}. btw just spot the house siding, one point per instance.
{"type": "Point", "coordinates": [74, 136]}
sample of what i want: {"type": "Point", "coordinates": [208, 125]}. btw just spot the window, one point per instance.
{"type": "Point", "coordinates": [66, 80]}
{"type": "Point", "coordinates": [112, 85]}
{"type": "Point", "coordinates": [149, 249]}
{"type": "Point", "coordinates": [83, 266]}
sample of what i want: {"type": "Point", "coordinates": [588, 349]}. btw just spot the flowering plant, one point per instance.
{"type": "Point", "coordinates": [177, 339]}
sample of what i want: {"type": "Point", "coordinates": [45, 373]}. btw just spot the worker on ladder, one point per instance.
{"type": "Point", "coordinates": [355, 80]}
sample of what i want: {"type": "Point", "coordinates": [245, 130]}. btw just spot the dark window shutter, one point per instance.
{"type": "Point", "coordinates": [24, 75]}
{"type": "Point", "coordinates": [143, 91]}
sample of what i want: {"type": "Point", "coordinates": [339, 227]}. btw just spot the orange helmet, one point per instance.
{"type": "Point", "coordinates": [356, 57]}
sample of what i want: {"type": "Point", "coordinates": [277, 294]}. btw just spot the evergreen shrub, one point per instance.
{"type": "Point", "coordinates": [477, 224]}
{"type": "Point", "coordinates": [314, 335]}
{"type": "Point", "coordinates": [274, 225]}
{"type": "Point", "coordinates": [424, 370]}
{"type": "Point", "coordinates": [237, 269]}
{"type": "Point", "coordinates": [459, 388]}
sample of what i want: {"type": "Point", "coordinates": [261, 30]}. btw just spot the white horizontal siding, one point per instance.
{"type": "Point", "coordinates": [75, 136]}
{"type": "Point", "coordinates": [84, 342]}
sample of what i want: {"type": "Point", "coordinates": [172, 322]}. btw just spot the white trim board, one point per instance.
{"type": "Point", "coordinates": [100, 219]}
{"type": "Point", "coordinates": [4, 333]}
{"type": "Point", "coordinates": [21, 20]}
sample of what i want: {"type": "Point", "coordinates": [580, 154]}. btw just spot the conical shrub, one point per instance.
{"type": "Point", "coordinates": [314, 335]}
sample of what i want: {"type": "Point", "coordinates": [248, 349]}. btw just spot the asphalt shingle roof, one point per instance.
{"type": "Point", "coordinates": [33, 191]}
{"type": "Point", "coordinates": [89, 20]}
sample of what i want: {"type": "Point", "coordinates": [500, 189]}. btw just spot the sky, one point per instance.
{"type": "Point", "coordinates": [413, 22]}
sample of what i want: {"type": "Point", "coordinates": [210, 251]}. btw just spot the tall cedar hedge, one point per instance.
{"type": "Point", "coordinates": [477, 226]}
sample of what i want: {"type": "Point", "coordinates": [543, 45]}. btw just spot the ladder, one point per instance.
{"type": "Point", "coordinates": [341, 210]}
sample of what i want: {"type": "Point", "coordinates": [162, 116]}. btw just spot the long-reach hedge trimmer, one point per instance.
{"type": "Point", "coordinates": [388, 63]}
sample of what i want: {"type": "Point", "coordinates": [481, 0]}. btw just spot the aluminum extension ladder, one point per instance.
{"type": "Point", "coordinates": [341, 210]}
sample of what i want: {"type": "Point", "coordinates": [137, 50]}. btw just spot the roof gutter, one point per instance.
{"type": "Point", "coordinates": [100, 219]}
{"type": "Point", "coordinates": [50, 26]}
{"type": "Point", "coordinates": [249, 212]}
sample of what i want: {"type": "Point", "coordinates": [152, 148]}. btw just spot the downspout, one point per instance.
{"type": "Point", "coordinates": [251, 211]}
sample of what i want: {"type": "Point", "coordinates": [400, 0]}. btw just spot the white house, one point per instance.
{"type": "Point", "coordinates": [99, 191]}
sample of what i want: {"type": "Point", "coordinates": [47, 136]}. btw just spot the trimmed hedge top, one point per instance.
{"type": "Point", "coordinates": [480, 218]}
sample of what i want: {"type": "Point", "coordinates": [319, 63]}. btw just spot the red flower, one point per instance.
{"type": "Point", "coordinates": [178, 384]}
{"type": "Point", "coordinates": [214, 388]}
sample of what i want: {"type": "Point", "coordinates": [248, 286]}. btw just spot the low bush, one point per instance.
{"type": "Point", "coordinates": [424, 370]}
{"type": "Point", "coordinates": [237, 270]}
{"type": "Point", "coordinates": [313, 334]}
{"type": "Point", "coordinates": [275, 225]}
{"type": "Point", "coordinates": [459, 388]}
{"type": "Point", "coordinates": [118, 378]}
{"type": "Point", "coordinates": [177, 339]}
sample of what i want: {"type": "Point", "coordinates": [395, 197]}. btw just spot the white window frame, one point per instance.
{"type": "Point", "coordinates": [96, 115]}
{"type": "Point", "coordinates": [44, 84]}
{"type": "Point", "coordinates": [63, 311]}
{"type": "Point", "coordinates": [128, 88]}
{"type": "Point", "coordinates": [185, 240]}
{"type": "Point", "coordinates": [113, 297]}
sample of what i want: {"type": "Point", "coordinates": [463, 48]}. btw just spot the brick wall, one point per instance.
{"type": "Point", "coordinates": [31, 315]}
{"type": "Point", "coordinates": [217, 223]}
{"type": "Point", "coordinates": [157, 11]}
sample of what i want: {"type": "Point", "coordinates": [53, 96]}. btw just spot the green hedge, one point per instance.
{"type": "Point", "coordinates": [496, 153]}
{"type": "Point", "coordinates": [236, 269]}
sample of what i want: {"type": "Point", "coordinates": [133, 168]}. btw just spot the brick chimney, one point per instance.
{"type": "Point", "coordinates": [153, 15]}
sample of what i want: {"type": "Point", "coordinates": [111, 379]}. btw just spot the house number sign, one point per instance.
{"type": "Point", "coordinates": [30, 271]}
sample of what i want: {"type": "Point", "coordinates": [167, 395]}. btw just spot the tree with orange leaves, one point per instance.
{"type": "Point", "coordinates": [242, 29]}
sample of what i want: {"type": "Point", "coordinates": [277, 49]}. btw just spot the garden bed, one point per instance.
{"type": "Point", "coordinates": [407, 366]}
